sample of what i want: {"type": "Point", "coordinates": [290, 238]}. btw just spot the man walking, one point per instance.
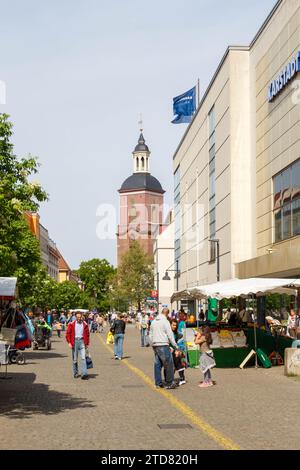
{"type": "Point", "coordinates": [161, 337]}
{"type": "Point", "coordinates": [78, 339]}
{"type": "Point", "coordinates": [118, 330]}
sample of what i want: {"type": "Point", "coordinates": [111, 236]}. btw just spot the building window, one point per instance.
{"type": "Point", "coordinates": [177, 215]}
{"type": "Point", "coordinates": [286, 188]}
{"type": "Point", "coordinates": [212, 183]}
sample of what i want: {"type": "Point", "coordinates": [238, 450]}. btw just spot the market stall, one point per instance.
{"type": "Point", "coordinates": [228, 351]}
{"type": "Point", "coordinates": [7, 333]}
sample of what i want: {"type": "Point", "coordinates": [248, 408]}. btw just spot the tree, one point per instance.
{"type": "Point", "coordinates": [19, 249]}
{"type": "Point", "coordinates": [96, 274]}
{"type": "Point", "coordinates": [135, 274]}
{"type": "Point", "coordinates": [68, 295]}
{"type": "Point", "coordinates": [42, 292]}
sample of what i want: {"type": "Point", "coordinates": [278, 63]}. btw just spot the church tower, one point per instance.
{"type": "Point", "coordinates": [141, 203]}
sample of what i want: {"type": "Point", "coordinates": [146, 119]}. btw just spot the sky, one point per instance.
{"type": "Point", "coordinates": [78, 73]}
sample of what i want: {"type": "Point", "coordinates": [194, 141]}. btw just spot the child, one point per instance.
{"type": "Point", "coordinates": [58, 326]}
{"type": "Point", "coordinates": [207, 360]}
{"type": "Point", "coordinates": [179, 365]}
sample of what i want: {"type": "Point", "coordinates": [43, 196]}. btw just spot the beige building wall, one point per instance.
{"type": "Point", "coordinates": [163, 254]}
{"type": "Point", "coordinates": [234, 188]}
{"type": "Point", "coordinates": [276, 131]}
{"type": "Point", "coordinates": [255, 140]}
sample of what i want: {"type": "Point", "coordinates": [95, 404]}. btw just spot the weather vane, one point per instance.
{"type": "Point", "coordinates": [141, 122]}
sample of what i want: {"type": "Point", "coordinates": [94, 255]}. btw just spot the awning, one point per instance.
{"type": "Point", "coordinates": [240, 288]}
{"type": "Point", "coordinates": [8, 288]}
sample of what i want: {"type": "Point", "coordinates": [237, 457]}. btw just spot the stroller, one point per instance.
{"type": "Point", "coordinates": [42, 338]}
{"type": "Point", "coordinates": [16, 357]}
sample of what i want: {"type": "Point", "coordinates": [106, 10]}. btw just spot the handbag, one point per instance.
{"type": "Point", "coordinates": [88, 360]}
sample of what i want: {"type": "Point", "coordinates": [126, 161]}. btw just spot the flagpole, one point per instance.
{"type": "Point", "coordinates": [198, 88]}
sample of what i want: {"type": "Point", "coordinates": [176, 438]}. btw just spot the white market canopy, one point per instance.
{"type": "Point", "coordinates": [8, 287]}
{"type": "Point", "coordinates": [79, 310]}
{"type": "Point", "coordinates": [239, 288]}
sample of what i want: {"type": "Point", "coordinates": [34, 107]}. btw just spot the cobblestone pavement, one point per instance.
{"type": "Point", "coordinates": [43, 407]}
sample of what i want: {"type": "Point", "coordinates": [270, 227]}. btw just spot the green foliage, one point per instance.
{"type": "Point", "coordinates": [68, 295]}
{"type": "Point", "coordinates": [48, 293]}
{"type": "Point", "coordinates": [96, 275]}
{"type": "Point", "coordinates": [134, 278]}
{"type": "Point", "coordinates": [19, 249]}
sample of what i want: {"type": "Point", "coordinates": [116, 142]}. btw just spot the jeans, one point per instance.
{"type": "Point", "coordinates": [79, 347]}
{"type": "Point", "coordinates": [118, 347]}
{"type": "Point", "coordinates": [163, 359]}
{"type": "Point", "coordinates": [207, 376]}
{"type": "Point", "coordinates": [143, 336]}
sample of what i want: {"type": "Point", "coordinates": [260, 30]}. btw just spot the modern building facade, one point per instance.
{"type": "Point", "coordinates": [237, 167]}
{"type": "Point", "coordinates": [141, 203]}
{"type": "Point", "coordinates": [49, 253]}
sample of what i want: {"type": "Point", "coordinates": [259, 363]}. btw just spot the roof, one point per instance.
{"type": "Point", "coordinates": [62, 264]}
{"type": "Point", "coordinates": [141, 146]}
{"type": "Point", "coordinates": [240, 288]}
{"type": "Point", "coordinates": [141, 181]}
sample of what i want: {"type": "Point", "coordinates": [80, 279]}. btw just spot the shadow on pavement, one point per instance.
{"type": "Point", "coordinates": [22, 398]}
{"type": "Point", "coordinates": [42, 354]}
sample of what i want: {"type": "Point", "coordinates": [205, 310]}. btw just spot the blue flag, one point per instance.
{"type": "Point", "coordinates": [184, 106]}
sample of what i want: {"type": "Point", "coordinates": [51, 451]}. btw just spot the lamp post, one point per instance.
{"type": "Point", "coordinates": [167, 277]}
{"type": "Point", "coordinates": [218, 257]}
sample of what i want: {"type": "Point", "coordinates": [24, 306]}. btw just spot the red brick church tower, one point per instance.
{"type": "Point", "coordinates": [141, 204]}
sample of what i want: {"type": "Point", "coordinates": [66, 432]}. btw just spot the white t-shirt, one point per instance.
{"type": "Point", "coordinates": [79, 330]}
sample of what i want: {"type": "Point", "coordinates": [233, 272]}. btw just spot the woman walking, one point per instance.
{"type": "Point", "coordinates": [118, 330]}
{"type": "Point", "coordinates": [207, 360]}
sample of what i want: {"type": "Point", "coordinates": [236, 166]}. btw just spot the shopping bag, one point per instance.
{"type": "Point", "coordinates": [110, 338]}
{"type": "Point", "coordinates": [89, 362]}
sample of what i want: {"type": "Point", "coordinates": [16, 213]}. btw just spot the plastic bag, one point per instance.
{"type": "Point", "coordinates": [110, 338]}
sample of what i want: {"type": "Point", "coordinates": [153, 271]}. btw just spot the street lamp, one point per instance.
{"type": "Point", "coordinates": [167, 277]}
{"type": "Point", "coordinates": [218, 256]}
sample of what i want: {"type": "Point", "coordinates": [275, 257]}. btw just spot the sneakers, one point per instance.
{"type": "Point", "coordinates": [76, 376]}
{"type": "Point", "coordinates": [182, 382]}
{"type": "Point", "coordinates": [85, 377]}
{"type": "Point", "coordinates": [171, 387]}
{"type": "Point", "coordinates": [205, 384]}
{"type": "Point", "coordinates": [160, 386]}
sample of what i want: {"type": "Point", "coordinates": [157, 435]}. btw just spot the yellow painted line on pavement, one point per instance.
{"type": "Point", "coordinates": [219, 438]}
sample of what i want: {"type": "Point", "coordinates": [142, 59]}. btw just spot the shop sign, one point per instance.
{"type": "Point", "coordinates": [283, 79]}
